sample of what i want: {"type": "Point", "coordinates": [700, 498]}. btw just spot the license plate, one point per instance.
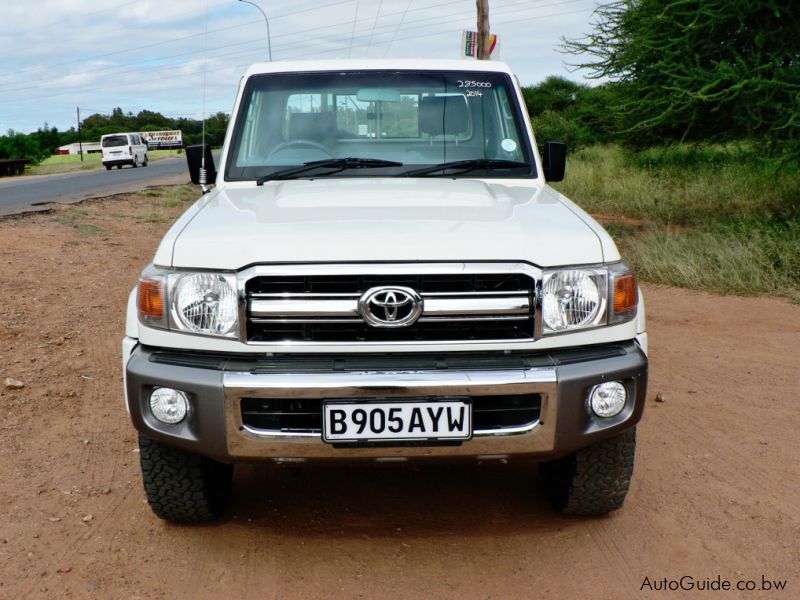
{"type": "Point", "coordinates": [396, 421]}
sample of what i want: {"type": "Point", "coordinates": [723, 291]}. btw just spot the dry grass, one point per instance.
{"type": "Point", "coordinates": [719, 220]}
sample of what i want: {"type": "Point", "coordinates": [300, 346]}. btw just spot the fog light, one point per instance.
{"type": "Point", "coordinates": [608, 399]}
{"type": "Point", "coordinates": [168, 405]}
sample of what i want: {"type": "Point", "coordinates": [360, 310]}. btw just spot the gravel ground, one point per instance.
{"type": "Point", "coordinates": [714, 494]}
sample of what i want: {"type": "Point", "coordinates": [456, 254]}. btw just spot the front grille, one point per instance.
{"type": "Point", "coordinates": [325, 308]}
{"type": "Point", "coordinates": [304, 416]}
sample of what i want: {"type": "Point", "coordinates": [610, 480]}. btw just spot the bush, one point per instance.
{"type": "Point", "coordinates": [568, 112]}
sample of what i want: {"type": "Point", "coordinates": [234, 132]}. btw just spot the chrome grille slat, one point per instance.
{"type": "Point", "coordinates": [475, 303]}
{"type": "Point", "coordinates": [454, 318]}
{"type": "Point", "coordinates": [303, 308]}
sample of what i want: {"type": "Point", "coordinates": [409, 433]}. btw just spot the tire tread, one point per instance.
{"type": "Point", "coordinates": [181, 486]}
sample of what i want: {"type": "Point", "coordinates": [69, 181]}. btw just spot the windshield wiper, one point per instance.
{"type": "Point", "coordinates": [338, 164]}
{"type": "Point", "coordinates": [467, 165]}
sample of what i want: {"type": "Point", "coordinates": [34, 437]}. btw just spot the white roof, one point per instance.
{"type": "Point", "coordinates": [371, 64]}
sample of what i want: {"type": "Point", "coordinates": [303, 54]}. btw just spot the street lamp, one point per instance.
{"type": "Point", "coordinates": [269, 41]}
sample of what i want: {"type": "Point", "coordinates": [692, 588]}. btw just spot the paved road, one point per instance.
{"type": "Point", "coordinates": [30, 193]}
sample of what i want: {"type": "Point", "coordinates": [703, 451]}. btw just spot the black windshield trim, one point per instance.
{"type": "Point", "coordinates": [515, 108]}
{"type": "Point", "coordinates": [338, 164]}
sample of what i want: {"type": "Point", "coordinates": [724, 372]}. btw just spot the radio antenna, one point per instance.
{"type": "Point", "coordinates": [203, 175]}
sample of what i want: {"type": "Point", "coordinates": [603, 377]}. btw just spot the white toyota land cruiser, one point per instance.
{"type": "Point", "coordinates": [381, 272]}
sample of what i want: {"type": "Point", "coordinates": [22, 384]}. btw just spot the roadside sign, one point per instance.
{"type": "Point", "coordinates": [469, 45]}
{"type": "Point", "coordinates": [163, 139]}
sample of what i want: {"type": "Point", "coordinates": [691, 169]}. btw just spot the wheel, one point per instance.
{"type": "Point", "coordinates": [144, 162]}
{"type": "Point", "coordinates": [135, 162]}
{"type": "Point", "coordinates": [181, 486]}
{"type": "Point", "coordinates": [299, 143]}
{"type": "Point", "coordinates": [593, 480]}
{"type": "Point", "coordinates": [108, 167]}
{"type": "Point", "coordinates": [119, 166]}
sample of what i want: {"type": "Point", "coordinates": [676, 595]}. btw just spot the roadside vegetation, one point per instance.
{"type": "Point", "coordinates": [689, 149]}
{"type": "Point", "coordinates": [67, 163]}
{"type": "Point", "coordinates": [41, 144]}
{"type": "Point", "coordinates": [159, 203]}
{"type": "Point", "coordinates": [719, 218]}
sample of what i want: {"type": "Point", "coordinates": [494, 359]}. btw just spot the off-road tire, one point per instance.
{"type": "Point", "coordinates": [593, 480]}
{"type": "Point", "coordinates": [181, 486]}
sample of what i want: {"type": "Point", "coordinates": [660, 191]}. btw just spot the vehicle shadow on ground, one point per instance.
{"type": "Point", "coordinates": [382, 500]}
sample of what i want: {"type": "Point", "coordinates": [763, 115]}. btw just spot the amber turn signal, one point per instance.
{"type": "Point", "coordinates": [150, 299]}
{"type": "Point", "coordinates": [625, 294]}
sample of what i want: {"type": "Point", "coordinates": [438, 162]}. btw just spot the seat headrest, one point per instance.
{"type": "Point", "coordinates": [312, 126]}
{"type": "Point", "coordinates": [440, 115]}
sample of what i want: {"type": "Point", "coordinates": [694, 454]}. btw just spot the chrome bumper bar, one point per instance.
{"type": "Point", "coordinates": [247, 443]}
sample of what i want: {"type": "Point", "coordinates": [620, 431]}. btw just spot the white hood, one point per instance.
{"type": "Point", "coordinates": [383, 219]}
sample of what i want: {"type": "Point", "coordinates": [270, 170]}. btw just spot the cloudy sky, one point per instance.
{"type": "Point", "coordinates": [56, 55]}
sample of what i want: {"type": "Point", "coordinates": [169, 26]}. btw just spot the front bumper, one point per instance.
{"type": "Point", "coordinates": [216, 385]}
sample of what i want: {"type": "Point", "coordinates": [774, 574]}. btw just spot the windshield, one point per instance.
{"type": "Point", "coordinates": [114, 140]}
{"type": "Point", "coordinates": [417, 119]}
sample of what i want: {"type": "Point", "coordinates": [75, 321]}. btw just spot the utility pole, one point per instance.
{"type": "Point", "coordinates": [483, 29]}
{"type": "Point", "coordinates": [80, 138]}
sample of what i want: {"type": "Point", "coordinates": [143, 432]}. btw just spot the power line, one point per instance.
{"type": "Point", "coordinates": [374, 23]}
{"type": "Point", "coordinates": [69, 18]}
{"type": "Point", "coordinates": [503, 9]}
{"type": "Point", "coordinates": [399, 24]}
{"type": "Point", "coordinates": [221, 29]}
{"type": "Point", "coordinates": [117, 84]}
{"type": "Point", "coordinates": [247, 42]}
{"type": "Point", "coordinates": [176, 39]}
{"type": "Point", "coordinates": [355, 20]}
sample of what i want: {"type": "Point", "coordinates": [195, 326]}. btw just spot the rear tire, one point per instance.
{"type": "Point", "coordinates": [135, 162]}
{"type": "Point", "coordinates": [144, 162]}
{"type": "Point", "coordinates": [183, 487]}
{"type": "Point", "coordinates": [593, 480]}
{"type": "Point", "coordinates": [108, 167]}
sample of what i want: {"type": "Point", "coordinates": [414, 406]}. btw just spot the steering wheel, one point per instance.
{"type": "Point", "coordinates": [299, 143]}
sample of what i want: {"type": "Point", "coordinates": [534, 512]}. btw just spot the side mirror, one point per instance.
{"type": "Point", "coordinates": [554, 161]}
{"type": "Point", "coordinates": [194, 158]}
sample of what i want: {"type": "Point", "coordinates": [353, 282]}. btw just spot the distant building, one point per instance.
{"type": "Point", "coordinates": [88, 148]}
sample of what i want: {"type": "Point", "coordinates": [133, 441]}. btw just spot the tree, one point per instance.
{"type": "Point", "coordinates": [570, 112]}
{"type": "Point", "coordinates": [699, 69]}
{"type": "Point", "coordinates": [19, 145]}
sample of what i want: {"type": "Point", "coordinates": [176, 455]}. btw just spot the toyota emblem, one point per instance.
{"type": "Point", "coordinates": [390, 306]}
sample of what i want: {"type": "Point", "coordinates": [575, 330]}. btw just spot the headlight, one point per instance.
{"type": "Point", "coordinates": [573, 299]}
{"type": "Point", "coordinates": [580, 298]}
{"type": "Point", "coordinates": [202, 303]}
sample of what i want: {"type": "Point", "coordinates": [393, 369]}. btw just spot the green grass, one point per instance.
{"type": "Point", "coordinates": [721, 219]}
{"type": "Point", "coordinates": [67, 163]}
{"type": "Point", "coordinates": [74, 217]}
{"type": "Point", "coordinates": [686, 187]}
{"type": "Point", "coordinates": [159, 201]}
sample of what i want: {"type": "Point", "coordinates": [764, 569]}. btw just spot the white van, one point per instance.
{"type": "Point", "coordinates": [123, 149]}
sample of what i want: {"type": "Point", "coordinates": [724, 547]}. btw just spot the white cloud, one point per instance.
{"type": "Point", "coordinates": [150, 53]}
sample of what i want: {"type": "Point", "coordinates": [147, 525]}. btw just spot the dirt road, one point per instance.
{"type": "Point", "coordinates": [715, 490]}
